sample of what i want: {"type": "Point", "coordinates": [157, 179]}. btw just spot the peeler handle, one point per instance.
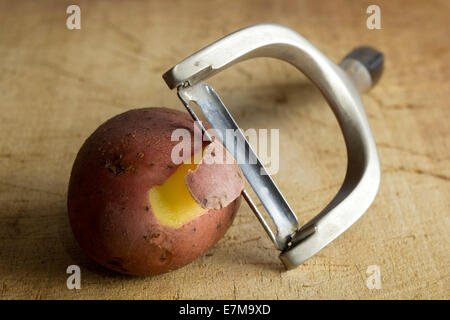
{"type": "Point", "coordinates": [340, 90]}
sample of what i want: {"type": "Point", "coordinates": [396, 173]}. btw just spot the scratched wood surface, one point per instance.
{"type": "Point", "coordinates": [57, 86]}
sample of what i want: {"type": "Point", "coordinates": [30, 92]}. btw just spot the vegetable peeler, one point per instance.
{"type": "Point", "coordinates": [340, 85]}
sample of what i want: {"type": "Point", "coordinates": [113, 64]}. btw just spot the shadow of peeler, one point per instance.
{"type": "Point", "coordinates": [340, 85]}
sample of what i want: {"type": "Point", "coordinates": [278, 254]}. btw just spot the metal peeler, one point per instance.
{"type": "Point", "coordinates": [341, 86]}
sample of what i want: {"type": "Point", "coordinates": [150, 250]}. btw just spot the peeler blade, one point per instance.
{"type": "Point", "coordinates": [254, 171]}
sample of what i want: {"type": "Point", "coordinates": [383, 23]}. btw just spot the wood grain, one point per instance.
{"type": "Point", "coordinates": [57, 86]}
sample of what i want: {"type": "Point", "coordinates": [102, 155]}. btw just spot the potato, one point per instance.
{"type": "Point", "coordinates": [136, 212]}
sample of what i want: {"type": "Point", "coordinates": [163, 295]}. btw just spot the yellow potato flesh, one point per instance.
{"type": "Point", "coordinates": [172, 203]}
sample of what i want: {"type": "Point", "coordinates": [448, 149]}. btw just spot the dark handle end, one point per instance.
{"type": "Point", "coordinates": [371, 59]}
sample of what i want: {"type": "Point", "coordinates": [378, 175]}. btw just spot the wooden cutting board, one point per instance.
{"type": "Point", "coordinates": [57, 85]}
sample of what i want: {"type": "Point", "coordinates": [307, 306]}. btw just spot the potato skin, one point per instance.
{"type": "Point", "coordinates": [108, 197]}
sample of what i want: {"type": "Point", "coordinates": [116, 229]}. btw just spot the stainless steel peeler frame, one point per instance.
{"type": "Point", "coordinates": [340, 86]}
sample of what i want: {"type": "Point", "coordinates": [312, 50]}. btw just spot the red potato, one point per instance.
{"type": "Point", "coordinates": [136, 212]}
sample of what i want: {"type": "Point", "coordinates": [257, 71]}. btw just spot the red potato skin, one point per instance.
{"type": "Point", "coordinates": [108, 197]}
